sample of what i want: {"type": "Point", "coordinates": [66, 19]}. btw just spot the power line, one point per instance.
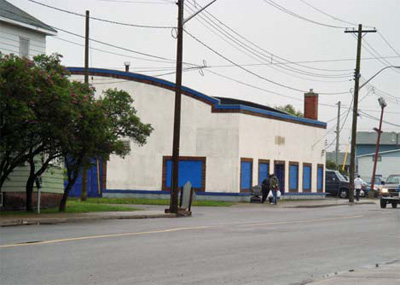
{"type": "Point", "coordinates": [377, 119]}
{"type": "Point", "coordinates": [255, 74]}
{"type": "Point", "coordinates": [287, 11]}
{"type": "Point", "coordinates": [100, 19]}
{"type": "Point", "coordinates": [387, 42]}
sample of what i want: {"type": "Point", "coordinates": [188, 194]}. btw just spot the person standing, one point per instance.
{"type": "Point", "coordinates": [265, 189]}
{"type": "Point", "coordinates": [358, 183]}
{"type": "Point", "coordinates": [274, 186]}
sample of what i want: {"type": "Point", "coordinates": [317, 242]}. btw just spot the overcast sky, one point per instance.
{"type": "Point", "coordinates": [257, 50]}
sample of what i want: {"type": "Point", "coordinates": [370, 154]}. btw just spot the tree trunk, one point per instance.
{"type": "Point", "coordinates": [84, 183]}
{"type": "Point", "coordinates": [63, 202]}
{"type": "Point", "coordinates": [29, 193]}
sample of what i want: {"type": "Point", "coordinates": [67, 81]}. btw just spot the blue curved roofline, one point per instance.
{"type": "Point", "coordinates": [217, 106]}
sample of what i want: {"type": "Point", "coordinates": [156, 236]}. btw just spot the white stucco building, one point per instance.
{"type": "Point", "coordinates": [388, 163]}
{"type": "Point", "coordinates": [226, 147]}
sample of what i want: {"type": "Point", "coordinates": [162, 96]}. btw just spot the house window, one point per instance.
{"type": "Point", "coordinates": [192, 169]}
{"type": "Point", "coordinates": [293, 176]}
{"type": "Point", "coordinates": [320, 178]}
{"type": "Point", "coordinates": [379, 158]}
{"type": "Point", "coordinates": [306, 177]}
{"type": "Point", "coordinates": [246, 171]}
{"type": "Point", "coordinates": [23, 47]}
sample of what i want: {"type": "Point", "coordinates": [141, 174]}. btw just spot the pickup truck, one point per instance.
{"type": "Point", "coordinates": [389, 191]}
{"type": "Point", "coordinates": [336, 184]}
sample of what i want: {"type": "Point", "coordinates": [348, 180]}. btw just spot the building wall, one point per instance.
{"type": "Point", "coordinates": [389, 164]}
{"type": "Point", "coordinates": [266, 139]}
{"type": "Point", "coordinates": [10, 40]}
{"type": "Point", "coordinates": [223, 138]}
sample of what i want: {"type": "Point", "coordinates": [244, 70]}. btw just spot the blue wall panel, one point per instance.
{"type": "Point", "coordinates": [246, 167]}
{"type": "Point", "coordinates": [189, 170]}
{"type": "Point", "coordinates": [294, 175]}
{"type": "Point", "coordinates": [320, 176]}
{"type": "Point", "coordinates": [263, 171]}
{"type": "Point", "coordinates": [307, 177]}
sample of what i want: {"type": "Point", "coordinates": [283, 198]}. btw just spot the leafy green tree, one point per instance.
{"type": "Point", "coordinates": [290, 109]}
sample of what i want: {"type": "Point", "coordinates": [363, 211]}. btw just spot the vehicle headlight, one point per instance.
{"type": "Point", "coordinates": [385, 190]}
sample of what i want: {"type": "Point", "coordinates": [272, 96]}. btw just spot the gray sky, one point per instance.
{"type": "Point", "coordinates": [255, 35]}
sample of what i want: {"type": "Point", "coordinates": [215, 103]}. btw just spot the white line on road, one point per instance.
{"type": "Point", "coordinates": [172, 230]}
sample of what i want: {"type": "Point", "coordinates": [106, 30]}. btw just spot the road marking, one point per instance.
{"type": "Point", "coordinates": [172, 230]}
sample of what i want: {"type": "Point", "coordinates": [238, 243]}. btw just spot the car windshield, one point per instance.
{"type": "Point", "coordinates": [341, 178]}
{"type": "Point", "coordinates": [393, 179]}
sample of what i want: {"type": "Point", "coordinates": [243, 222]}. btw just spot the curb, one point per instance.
{"type": "Point", "coordinates": [52, 221]}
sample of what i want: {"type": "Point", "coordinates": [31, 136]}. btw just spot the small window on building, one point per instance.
{"type": "Point", "coordinates": [23, 47]}
{"type": "Point", "coordinates": [293, 177]}
{"type": "Point", "coordinates": [127, 145]}
{"type": "Point", "coordinates": [379, 158]}
{"type": "Point", "coordinates": [320, 178]}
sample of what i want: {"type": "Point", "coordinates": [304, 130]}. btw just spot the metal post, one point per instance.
{"type": "Point", "coordinates": [383, 105]}
{"type": "Point", "coordinates": [177, 114]}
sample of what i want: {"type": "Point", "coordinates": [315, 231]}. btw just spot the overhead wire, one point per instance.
{"type": "Point", "coordinates": [100, 19]}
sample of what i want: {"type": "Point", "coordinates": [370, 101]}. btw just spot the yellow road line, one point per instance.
{"type": "Point", "coordinates": [174, 230]}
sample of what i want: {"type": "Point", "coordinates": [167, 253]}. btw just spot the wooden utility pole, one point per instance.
{"type": "Point", "coordinates": [357, 76]}
{"type": "Point", "coordinates": [177, 114]}
{"type": "Point", "coordinates": [337, 136]}
{"type": "Point", "coordinates": [84, 170]}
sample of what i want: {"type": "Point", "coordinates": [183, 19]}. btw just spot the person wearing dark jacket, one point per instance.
{"type": "Point", "coordinates": [265, 189]}
{"type": "Point", "coordinates": [274, 186]}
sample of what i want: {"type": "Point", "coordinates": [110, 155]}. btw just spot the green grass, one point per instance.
{"type": "Point", "coordinates": [76, 206]}
{"type": "Point", "coordinates": [142, 201]}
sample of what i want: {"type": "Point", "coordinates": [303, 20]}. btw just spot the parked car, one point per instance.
{"type": "Point", "coordinates": [389, 191]}
{"type": "Point", "coordinates": [336, 184]}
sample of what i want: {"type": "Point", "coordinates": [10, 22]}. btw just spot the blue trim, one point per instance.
{"type": "Point", "coordinates": [201, 193]}
{"type": "Point", "coordinates": [194, 93]}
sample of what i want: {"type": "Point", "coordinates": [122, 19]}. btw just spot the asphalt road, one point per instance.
{"type": "Point", "coordinates": [255, 244]}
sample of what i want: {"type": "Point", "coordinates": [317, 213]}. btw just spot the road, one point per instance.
{"type": "Point", "coordinates": [253, 244]}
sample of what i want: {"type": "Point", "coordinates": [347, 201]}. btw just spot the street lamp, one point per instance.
{"type": "Point", "coordinates": [386, 67]}
{"type": "Point", "coordinates": [383, 104]}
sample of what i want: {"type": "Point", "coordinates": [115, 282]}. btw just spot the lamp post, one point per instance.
{"type": "Point", "coordinates": [383, 104]}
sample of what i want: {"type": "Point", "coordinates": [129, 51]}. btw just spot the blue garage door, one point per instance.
{"type": "Point", "coordinates": [246, 177]}
{"type": "Point", "coordinates": [263, 171]}
{"type": "Point", "coordinates": [189, 170]}
{"type": "Point", "coordinates": [94, 181]}
{"type": "Point", "coordinates": [307, 178]}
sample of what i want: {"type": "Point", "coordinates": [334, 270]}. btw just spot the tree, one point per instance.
{"type": "Point", "coordinates": [106, 122]}
{"type": "Point", "coordinates": [36, 100]}
{"type": "Point", "coordinates": [290, 109]}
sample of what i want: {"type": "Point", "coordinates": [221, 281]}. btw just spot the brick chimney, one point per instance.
{"type": "Point", "coordinates": [311, 105]}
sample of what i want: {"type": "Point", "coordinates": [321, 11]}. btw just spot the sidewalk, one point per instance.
{"type": "Point", "coordinates": [388, 274]}
{"type": "Point", "coordinates": [154, 212]}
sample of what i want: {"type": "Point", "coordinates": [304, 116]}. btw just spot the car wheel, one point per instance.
{"type": "Point", "coordinates": [362, 193]}
{"type": "Point", "coordinates": [343, 193]}
{"type": "Point", "coordinates": [383, 204]}
{"type": "Point", "coordinates": [394, 204]}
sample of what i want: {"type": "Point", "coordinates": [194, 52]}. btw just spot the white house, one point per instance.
{"type": "Point", "coordinates": [25, 36]}
{"type": "Point", "coordinates": [20, 33]}
{"type": "Point", "coordinates": [226, 147]}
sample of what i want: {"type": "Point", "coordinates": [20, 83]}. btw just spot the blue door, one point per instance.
{"type": "Point", "coordinates": [280, 174]}
{"type": "Point", "coordinates": [189, 170]}
{"type": "Point", "coordinates": [320, 179]}
{"type": "Point", "coordinates": [307, 178]}
{"type": "Point", "coordinates": [94, 181]}
{"type": "Point", "coordinates": [263, 171]}
{"type": "Point", "coordinates": [246, 168]}
{"type": "Point", "coordinates": [293, 178]}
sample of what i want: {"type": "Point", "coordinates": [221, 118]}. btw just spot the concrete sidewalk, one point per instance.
{"type": "Point", "coordinates": [148, 212]}
{"type": "Point", "coordinates": [388, 274]}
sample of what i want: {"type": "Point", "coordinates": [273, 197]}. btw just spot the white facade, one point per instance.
{"type": "Point", "coordinates": [12, 37]}
{"type": "Point", "coordinates": [222, 135]}
{"type": "Point", "coordinates": [388, 163]}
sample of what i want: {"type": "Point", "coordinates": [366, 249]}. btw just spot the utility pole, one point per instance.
{"type": "Point", "coordinates": [84, 170]}
{"type": "Point", "coordinates": [357, 76]}
{"type": "Point", "coordinates": [177, 114]}
{"type": "Point", "coordinates": [337, 136]}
